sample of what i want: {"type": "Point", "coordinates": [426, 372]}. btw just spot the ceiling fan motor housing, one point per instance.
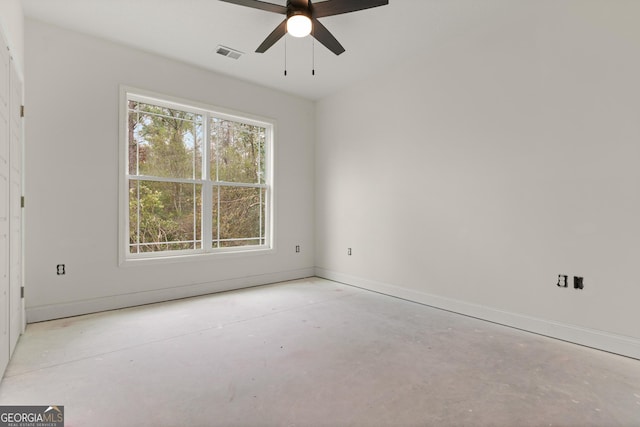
{"type": "Point", "coordinates": [293, 9]}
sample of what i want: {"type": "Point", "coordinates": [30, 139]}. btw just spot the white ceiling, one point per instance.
{"type": "Point", "coordinates": [190, 30]}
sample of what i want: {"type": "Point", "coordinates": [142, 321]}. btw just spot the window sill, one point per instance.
{"type": "Point", "coordinates": [133, 261]}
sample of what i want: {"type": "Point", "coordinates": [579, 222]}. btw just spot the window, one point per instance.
{"type": "Point", "coordinates": [196, 180]}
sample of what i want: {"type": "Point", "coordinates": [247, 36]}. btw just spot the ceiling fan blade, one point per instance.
{"type": "Point", "coordinates": [275, 35]}
{"type": "Point", "coordinates": [336, 7]}
{"type": "Point", "coordinates": [323, 35]}
{"type": "Point", "coordinates": [262, 5]}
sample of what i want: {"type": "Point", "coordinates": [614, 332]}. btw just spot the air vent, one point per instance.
{"type": "Point", "coordinates": [228, 52]}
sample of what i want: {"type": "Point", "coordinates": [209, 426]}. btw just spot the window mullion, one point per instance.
{"type": "Point", "coordinates": [268, 179]}
{"type": "Point", "coordinates": [137, 145]}
{"type": "Point", "coordinates": [260, 225]}
{"type": "Point", "coordinates": [138, 217]}
{"type": "Point", "coordinates": [218, 217]}
{"type": "Point", "coordinates": [207, 197]}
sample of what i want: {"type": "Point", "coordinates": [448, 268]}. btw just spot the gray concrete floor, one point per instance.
{"type": "Point", "coordinates": [313, 353]}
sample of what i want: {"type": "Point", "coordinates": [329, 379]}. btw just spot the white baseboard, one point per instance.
{"type": "Point", "coordinates": [75, 308]}
{"type": "Point", "coordinates": [618, 344]}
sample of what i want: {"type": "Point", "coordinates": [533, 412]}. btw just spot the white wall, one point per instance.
{"type": "Point", "coordinates": [469, 177]}
{"type": "Point", "coordinates": [72, 178]}
{"type": "Point", "coordinates": [12, 26]}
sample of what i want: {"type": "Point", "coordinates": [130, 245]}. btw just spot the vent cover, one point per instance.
{"type": "Point", "coordinates": [228, 52]}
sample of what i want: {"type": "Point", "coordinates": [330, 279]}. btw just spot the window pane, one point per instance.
{"type": "Point", "coordinates": [134, 128]}
{"type": "Point", "coordinates": [164, 142]}
{"type": "Point", "coordinates": [237, 152]}
{"type": "Point", "coordinates": [238, 216]}
{"type": "Point", "coordinates": [164, 216]}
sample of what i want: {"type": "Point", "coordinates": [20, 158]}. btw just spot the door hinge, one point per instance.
{"type": "Point", "coordinates": [22, 292]}
{"type": "Point", "coordinates": [22, 201]}
{"type": "Point", "coordinates": [22, 111]}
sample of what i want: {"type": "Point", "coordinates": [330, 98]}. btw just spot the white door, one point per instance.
{"type": "Point", "coordinates": [16, 308]}
{"type": "Point", "coordinates": [4, 205]}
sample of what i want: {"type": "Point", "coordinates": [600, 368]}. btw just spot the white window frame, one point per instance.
{"type": "Point", "coordinates": [127, 258]}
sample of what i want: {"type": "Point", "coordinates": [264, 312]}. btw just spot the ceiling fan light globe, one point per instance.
{"type": "Point", "coordinates": [299, 26]}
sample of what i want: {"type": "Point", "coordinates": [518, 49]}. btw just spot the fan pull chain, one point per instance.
{"type": "Point", "coordinates": [285, 55]}
{"type": "Point", "coordinates": [313, 56]}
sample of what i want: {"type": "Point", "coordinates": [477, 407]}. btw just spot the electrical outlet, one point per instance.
{"type": "Point", "coordinates": [562, 280]}
{"type": "Point", "coordinates": [60, 270]}
{"type": "Point", "coordinates": [297, 249]}
{"type": "Point", "coordinates": [349, 251]}
{"type": "Point", "coordinates": [578, 282]}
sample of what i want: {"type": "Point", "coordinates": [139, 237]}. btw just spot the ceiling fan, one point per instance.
{"type": "Point", "coordinates": [302, 18]}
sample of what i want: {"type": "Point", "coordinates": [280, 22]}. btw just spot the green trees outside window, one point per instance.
{"type": "Point", "coordinates": [197, 180]}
